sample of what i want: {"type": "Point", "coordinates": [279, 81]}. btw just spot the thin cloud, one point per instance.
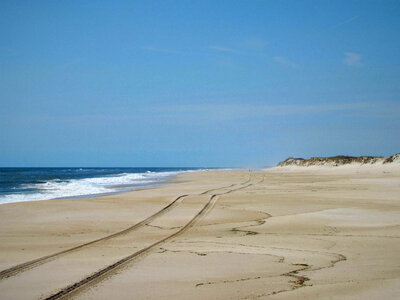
{"type": "Point", "coordinates": [190, 114]}
{"type": "Point", "coordinates": [285, 61]}
{"type": "Point", "coordinates": [254, 43]}
{"type": "Point", "coordinates": [8, 50]}
{"type": "Point", "coordinates": [352, 59]}
{"type": "Point", "coordinates": [229, 112]}
{"type": "Point", "coordinates": [221, 49]}
{"type": "Point", "coordinates": [162, 50]}
{"type": "Point", "coordinates": [344, 22]}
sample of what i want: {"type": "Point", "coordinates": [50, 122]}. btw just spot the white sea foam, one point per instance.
{"type": "Point", "coordinates": [57, 188]}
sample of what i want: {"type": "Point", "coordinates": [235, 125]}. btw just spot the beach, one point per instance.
{"type": "Point", "coordinates": [279, 233]}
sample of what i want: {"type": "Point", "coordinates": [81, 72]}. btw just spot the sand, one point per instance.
{"type": "Point", "coordinates": [282, 233]}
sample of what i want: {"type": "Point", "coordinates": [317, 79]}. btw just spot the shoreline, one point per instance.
{"type": "Point", "coordinates": [170, 180]}
{"type": "Point", "coordinates": [275, 233]}
{"type": "Point", "coordinates": [165, 181]}
{"type": "Point", "coordinates": [120, 188]}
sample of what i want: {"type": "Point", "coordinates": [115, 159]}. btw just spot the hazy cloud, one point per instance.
{"type": "Point", "coordinates": [255, 43]}
{"type": "Point", "coordinates": [352, 59]}
{"type": "Point", "coordinates": [344, 22]}
{"type": "Point", "coordinates": [7, 50]}
{"type": "Point", "coordinates": [163, 50]}
{"type": "Point", "coordinates": [221, 48]}
{"type": "Point", "coordinates": [285, 61]}
{"type": "Point", "coordinates": [194, 114]}
{"type": "Point", "coordinates": [229, 112]}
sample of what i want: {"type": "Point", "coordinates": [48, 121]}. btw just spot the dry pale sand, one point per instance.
{"type": "Point", "coordinates": [284, 233]}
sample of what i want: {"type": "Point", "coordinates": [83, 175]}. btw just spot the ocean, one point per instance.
{"type": "Point", "coordinates": [30, 184]}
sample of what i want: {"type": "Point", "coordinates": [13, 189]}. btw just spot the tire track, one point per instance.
{"type": "Point", "coordinates": [45, 259]}
{"type": "Point", "coordinates": [100, 275]}
{"type": "Point", "coordinates": [226, 187]}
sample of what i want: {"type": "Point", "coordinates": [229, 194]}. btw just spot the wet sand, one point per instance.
{"type": "Point", "coordinates": [283, 233]}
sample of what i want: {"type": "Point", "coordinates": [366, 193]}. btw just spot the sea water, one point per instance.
{"type": "Point", "coordinates": [30, 184]}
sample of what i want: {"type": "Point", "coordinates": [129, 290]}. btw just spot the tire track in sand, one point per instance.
{"type": "Point", "coordinates": [102, 274]}
{"type": "Point", "coordinates": [44, 259]}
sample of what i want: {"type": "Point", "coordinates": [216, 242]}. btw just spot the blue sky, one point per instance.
{"type": "Point", "coordinates": [197, 83]}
